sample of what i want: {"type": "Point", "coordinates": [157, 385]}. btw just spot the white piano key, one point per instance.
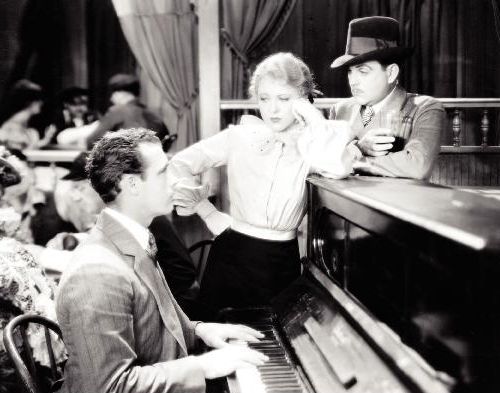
{"type": "Point", "coordinates": [249, 380]}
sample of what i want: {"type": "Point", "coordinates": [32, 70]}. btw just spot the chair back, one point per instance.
{"type": "Point", "coordinates": [201, 249]}
{"type": "Point", "coordinates": [25, 363]}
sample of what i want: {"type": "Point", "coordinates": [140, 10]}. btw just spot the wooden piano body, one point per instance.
{"type": "Point", "coordinates": [399, 294]}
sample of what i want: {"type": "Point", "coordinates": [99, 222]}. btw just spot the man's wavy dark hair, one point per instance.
{"type": "Point", "coordinates": [114, 155]}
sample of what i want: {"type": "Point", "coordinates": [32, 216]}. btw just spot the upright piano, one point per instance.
{"type": "Point", "coordinates": [400, 293]}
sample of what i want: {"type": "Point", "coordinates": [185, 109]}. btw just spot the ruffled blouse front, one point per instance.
{"type": "Point", "coordinates": [267, 170]}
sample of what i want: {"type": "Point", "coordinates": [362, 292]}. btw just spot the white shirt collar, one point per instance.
{"type": "Point", "coordinates": [379, 105]}
{"type": "Point", "coordinates": [140, 233]}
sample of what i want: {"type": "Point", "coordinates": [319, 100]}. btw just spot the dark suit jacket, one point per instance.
{"type": "Point", "coordinates": [46, 222]}
{"type": "Point", "coordinates": [177, 266]}
{"type": "Point", "coordinates": [133, 114]}
{"type": "Point", "coordinates": [123, 330]}
{"type": "Point", "coordinates": [61, 122]}
{"type": "Point", "coordinates": [421, 120]}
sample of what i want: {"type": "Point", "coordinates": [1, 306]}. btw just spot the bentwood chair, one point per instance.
{"type": "Point", "coordinates": [24, 362]}
{"type": "Point", "coordinates": [200, 249]}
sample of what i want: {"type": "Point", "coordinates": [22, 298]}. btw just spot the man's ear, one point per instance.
{"type": "Point", "coordinates": [130, 183]}
{"type": "Point", "coordinates": [392, 72]}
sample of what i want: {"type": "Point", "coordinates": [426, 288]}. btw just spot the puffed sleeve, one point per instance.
{"type": "Point", "coordinates": [183, 174]}
{"type": "Point", "coordinates": [208, 153]}
{"type": "Point", "coordinates": [325, 147]}
{"type": "Point", "coordinates": [190, 199]}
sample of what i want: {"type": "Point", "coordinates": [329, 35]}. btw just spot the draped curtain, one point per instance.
{"type": "Point", "coordinates": [248, 27]}
{"type": "Point", "coordinates": [162, 36]}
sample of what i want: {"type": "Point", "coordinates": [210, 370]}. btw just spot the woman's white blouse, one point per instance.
{"type": "Point", "coordinates": [266, 170]}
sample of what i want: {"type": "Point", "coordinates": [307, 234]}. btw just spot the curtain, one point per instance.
{"type": "Point", "coordinates": [106, 56]}
{"type": "Point", "coordinates": [248, 27]}
{"type": "Point", "coordinates": [162, 36]}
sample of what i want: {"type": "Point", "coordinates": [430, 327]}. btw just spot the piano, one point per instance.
{"type": "Point", "coordinates": [400, 293]}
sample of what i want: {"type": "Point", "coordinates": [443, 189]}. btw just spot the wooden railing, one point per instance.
{"type": "Point", "coordinates": [460, 162]}
{"type": "Point", "coordinates": [454, 106]}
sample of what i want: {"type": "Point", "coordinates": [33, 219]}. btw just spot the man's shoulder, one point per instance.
{"type": "Point", "coordinates": [427, 101]}
{"type": "Point", "coordinates": [421, 100]}
{"type": "Point", "coordinates": [95, 255]}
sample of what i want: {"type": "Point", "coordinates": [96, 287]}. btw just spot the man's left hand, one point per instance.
{"type": "Point", "coordinates": [216, 335]}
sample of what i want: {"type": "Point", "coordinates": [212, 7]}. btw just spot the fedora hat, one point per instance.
{"type": "Point", "coordinates": [77, 170]}
{"type": "Point", "coordinates": [124, 82]}
{"type": "Point", "coordinates": [372, 38]}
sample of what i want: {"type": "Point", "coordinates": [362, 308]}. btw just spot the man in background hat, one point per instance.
{"type": "Point", "coordinates": [126, 110]}
{"type": "Point", "coordinates": [73, 110]}
{"type": "Point", "coordinates": [397, 134]}
{"type": "Point", "coordinates": [76, 200]}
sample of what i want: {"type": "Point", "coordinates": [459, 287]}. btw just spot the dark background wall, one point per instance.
{"type": "Point", "coordinates": [59, 43]}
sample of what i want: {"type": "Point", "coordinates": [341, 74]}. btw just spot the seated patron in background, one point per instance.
{"type": "Point", "coordinates": [23, 102]}
{"type": "Point", "coordinates": [72, 115]}
{"type": "Point", "coordinates": [40, 220]}
{"type": "Point", "coordinates": [397, 133]}
{"type": "Point", "coordinates": [126, 111]}
{"type": "Point", "coordinates": [24, 288]}
{"type": "Point", "coordinates": [76, 200]}
{"type": "Point", "coordinates": [123, 330]}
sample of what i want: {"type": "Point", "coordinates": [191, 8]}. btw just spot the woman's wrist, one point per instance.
{"type": "Point", "coordinates": [204, 208]}
{"type": "Point", "coordinates": [195, 326]}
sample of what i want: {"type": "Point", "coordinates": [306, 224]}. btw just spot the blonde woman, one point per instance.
{"type": "Point", "coordinates": [255, 254]}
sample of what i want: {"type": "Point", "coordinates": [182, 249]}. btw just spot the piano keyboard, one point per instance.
{"type": "Point", "coordinates": [277, 375]}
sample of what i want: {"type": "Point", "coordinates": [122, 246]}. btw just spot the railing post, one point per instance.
{"type": "Point", "coordinates": [456, 127]}
{"type": "Point", "coordinates": [485, 125]}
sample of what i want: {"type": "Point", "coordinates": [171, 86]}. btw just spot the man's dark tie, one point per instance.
{"type": "Point", "coordinates": [152, 250]}
{"type": "Point", "coordinates": [367, 113]}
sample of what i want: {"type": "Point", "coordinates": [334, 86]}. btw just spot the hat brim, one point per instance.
{"type": "Point", "coordinates": [73, 176]}
{"type": "Point", "coordinates": [386, 54]}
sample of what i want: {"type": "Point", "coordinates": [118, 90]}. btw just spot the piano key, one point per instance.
{"type": "Point", "coordinates": [249, 380]}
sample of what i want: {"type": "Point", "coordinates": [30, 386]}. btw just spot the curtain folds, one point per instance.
{"type": "Point", "coordinates": [248, 28]}
{"type": "Point", "coordinates": [162, 36]}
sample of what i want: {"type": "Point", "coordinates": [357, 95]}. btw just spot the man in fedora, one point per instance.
{"type": "Point", "coordinates": [397, 134]}
{"type": "Point", "coordinates": [126, 110]}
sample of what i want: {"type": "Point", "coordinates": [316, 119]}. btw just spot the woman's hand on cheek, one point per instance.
{"type": "Point", "coordinates": [305, 112]}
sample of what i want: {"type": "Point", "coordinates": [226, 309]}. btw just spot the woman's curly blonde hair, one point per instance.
{"type": "Point", "coordinates": [288, 67]}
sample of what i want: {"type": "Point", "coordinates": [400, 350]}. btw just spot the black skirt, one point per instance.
{"type": "Point", "coordinates": [244, 271]}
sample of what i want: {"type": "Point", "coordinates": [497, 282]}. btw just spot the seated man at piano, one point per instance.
{"type": "Point", "coordinates": [397, 133]}
{"type": "Point", "coordinates": [78, 203]}
{"type": "Point", "coordinates": [123, 330]}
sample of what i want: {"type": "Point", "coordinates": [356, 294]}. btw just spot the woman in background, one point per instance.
{"type": "Point", "coordinates": [24, 288]}
{"type": "Point", "coordinates": [24, 101]}
{"type": "Point", "coordinates": [255, 254]}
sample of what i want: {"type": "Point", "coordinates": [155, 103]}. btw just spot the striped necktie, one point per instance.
{"type": "Point", "coordinates": [367, 113]}
{"type": "Point", "coordinates": [152, 250]}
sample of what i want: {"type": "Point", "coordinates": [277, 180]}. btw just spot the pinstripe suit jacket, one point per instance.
{"type": "Point", "coordinates": [123, 330]}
